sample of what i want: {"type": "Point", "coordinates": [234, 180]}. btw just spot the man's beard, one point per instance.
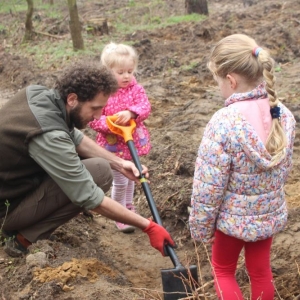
{"type": "Point", "coordinates": [76, 119]}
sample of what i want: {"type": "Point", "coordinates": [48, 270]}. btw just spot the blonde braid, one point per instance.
{"type": "Point", "coordinates": [276, 142]}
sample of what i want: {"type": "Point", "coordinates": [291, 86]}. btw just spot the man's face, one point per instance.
{"type": "Point", "coordinates": [84, 112]}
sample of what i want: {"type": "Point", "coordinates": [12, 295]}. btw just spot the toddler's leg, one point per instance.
{"type": "Point", "coordinates": [129, 195]}
{"type": "Point", "coordinates": [257, 255]}
{"type": "Point", "coordinates": [119, 187]}
{"type": "Point", "coordinates": [118, 193]}
{"type": "Point", "coordinates": [225, 254]}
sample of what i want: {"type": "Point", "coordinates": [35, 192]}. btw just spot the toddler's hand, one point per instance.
{"type": "Point", "coordinates": [123, 117]}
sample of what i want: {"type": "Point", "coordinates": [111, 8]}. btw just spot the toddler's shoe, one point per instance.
{"type": "Point", "coordinates": [124, 227]}
{"type": "Point", "coordinates": [131, 207]}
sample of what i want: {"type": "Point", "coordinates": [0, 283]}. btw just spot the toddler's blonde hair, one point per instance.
{"type": "Point", "coordinates": [114, 54]}
{"type": "Point", "coordinates": [233, 54]}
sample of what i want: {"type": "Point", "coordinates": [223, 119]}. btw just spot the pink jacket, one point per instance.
{"type": "Point", "coordinates": [132, 98]}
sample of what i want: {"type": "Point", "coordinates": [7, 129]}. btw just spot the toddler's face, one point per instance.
{"type": "Point", "coordinates": [124, 73]}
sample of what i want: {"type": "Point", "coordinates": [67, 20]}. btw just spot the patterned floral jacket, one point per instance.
{"type": "Point", "coordinates": [132, 98]}
{"type": "Point", "coordinates": [234, 191]}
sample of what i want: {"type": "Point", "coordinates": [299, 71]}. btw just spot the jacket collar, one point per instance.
{"type": "Point", "coordinates": [258, 93]}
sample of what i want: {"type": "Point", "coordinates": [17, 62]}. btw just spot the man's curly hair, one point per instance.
{"type": "Point", "coordinates": [86, 80]}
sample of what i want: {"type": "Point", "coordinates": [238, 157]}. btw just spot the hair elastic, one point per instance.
{"type": "Point", "coordinates": [275, 112]}
{"type": "Point", "coordinates": [256, 51]}
{"type": "Point", "coordinates": [111, 48]}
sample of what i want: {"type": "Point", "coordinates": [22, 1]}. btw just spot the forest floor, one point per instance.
{"type": "Point", "coordinates": [90, 259]}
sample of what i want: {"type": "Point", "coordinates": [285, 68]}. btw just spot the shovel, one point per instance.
{"type": "Point", "coordinates": [178, 282]}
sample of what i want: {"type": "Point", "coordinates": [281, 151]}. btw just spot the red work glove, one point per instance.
{"type": "Point", "coordinates": [158, 236]}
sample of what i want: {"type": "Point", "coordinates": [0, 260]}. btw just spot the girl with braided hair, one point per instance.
{"type": "Point", "coordinates": [242, 164]}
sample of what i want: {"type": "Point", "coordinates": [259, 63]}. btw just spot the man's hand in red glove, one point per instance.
{"type": "Point", "coordinates": [159, 236]}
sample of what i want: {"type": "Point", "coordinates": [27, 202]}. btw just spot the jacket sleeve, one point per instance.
{"type": "Point", "coordinates": [210, 180]}
{"type": "Point", "coordinates": [78, 185]}
{"type": "Point", "coordinates": [289, 126]}
{"type": "Point", "coordinates": [100, 124]}
{"type": "Point", "coordinates": [140, 105]}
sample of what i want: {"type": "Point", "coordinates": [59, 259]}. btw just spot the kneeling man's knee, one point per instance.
{"type": "Point", "coordinates": [100, 171]}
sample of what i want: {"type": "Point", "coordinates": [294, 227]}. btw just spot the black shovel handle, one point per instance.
{"type": "Point", "coordinates": [126, 133]}
{"type": "Point", "coordinates": [169, 250]}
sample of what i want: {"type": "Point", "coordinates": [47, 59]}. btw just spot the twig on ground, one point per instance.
{"type": "Point", "coordinates": [48, 34]}
{"type": "Point", "coordinates": [148, 293]}
{"type": "Point", "coordinates": [297, 268]}
{"type": "Point", "coordinates": [296, 21]}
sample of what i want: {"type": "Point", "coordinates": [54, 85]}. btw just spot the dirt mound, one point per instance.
{"type": "Point", "coordinates": [17, 72]}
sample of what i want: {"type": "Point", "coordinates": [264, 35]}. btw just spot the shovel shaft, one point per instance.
{"type": "Point", "coordinates": [170, 251]}
{"type": "Point", "coordinates": [177, 282]}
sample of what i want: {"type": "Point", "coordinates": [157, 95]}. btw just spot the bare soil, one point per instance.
{"type": "Point", "coordinates": [89, 259]}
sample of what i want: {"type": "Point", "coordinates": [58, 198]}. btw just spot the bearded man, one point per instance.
{"type": "Point", "coordinates": [49, 170]}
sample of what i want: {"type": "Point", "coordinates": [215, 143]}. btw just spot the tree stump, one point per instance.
{"type": "Point", "coordinates": [196, 6]}
{"type": "Point", "coordinates": [97, 26]}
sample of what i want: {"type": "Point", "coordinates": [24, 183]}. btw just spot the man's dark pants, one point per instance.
{"type": "Point", "coordinates": [46, 208]}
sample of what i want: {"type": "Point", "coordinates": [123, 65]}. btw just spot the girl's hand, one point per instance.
{"type": "Point", "coordinates": [124, 117]}
{"type": "Point", "coordinates": [211, 241]}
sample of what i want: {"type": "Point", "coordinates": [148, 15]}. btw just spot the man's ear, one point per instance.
{"type": "Point", "coordinates": [232, 80]}
{"type": "Point", "coordinates": [72, 99]}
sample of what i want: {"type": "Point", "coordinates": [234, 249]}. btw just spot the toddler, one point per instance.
{"type": "Point", "coordinates": [130, 102]}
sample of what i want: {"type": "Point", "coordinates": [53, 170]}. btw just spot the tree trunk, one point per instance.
{"type": "Point", "coordinates": [196, 6]}
{"type": "Point", "coordinates": [28, 22]}
{"type": "Point", "coordinates": [75, 26]}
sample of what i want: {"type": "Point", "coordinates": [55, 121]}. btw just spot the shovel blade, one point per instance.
{"type": "Point", "coordinates": [179, 282]}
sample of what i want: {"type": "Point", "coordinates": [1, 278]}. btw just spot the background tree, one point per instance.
{"type": "Point", "coordinates": [28, 22]}
{"type": "Point", "coordinates": [196, 6]}
{"type": "Point", "coordinates": [75, 26]}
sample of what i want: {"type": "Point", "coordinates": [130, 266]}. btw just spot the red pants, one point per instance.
{"type": "Point", "coordinates": [225, 254]}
